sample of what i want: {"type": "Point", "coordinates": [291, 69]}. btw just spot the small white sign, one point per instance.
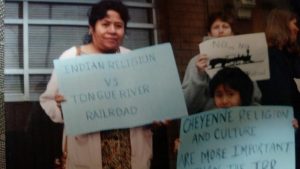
{"type": "Point", "coordinates": [248, 52]}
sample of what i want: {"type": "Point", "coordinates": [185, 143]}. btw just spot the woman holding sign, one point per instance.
{"type": "Point", "coordinates": [196, 80]}
{"type": "Point", "coordinates": [126, 148]}
{"type": "Point", "coordinates": [281, 89]}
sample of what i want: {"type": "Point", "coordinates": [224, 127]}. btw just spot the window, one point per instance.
{"type": "Point", "coordinates": [38, 31]}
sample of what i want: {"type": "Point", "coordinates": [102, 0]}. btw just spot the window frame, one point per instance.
{"type": "Point", "coordinates": [25, 22]}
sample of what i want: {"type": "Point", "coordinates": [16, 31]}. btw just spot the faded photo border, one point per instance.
{"type": "Point", "coordinates": [2, 113]}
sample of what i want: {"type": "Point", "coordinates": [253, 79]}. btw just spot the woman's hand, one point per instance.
{"type": "Point", "coordinates": [202, 62]}
{"type": "Point", "coordinates": [157, 124]}
{"type": "Point", "coordinates": [295, 123]}
{"type": "Point", "coordinates": [176, 145]}
{"type": "Point", "coordinates": [59, 99]}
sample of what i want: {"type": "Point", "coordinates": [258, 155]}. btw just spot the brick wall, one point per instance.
{"type": "Point", "coordinates": [183, 24]}
{"type": "Point", "coordinates": [181, 28]}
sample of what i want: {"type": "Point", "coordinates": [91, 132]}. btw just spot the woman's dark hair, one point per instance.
{"type": "Point", "coordinates": [236, 79]}
{"type": "Point", "coordinates": [99, 11]}
{"type": "Point", "coordinates": [225, 17]}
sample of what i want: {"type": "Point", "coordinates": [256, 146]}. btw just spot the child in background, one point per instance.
{"type": "Point", "coordinates": [231, 87]}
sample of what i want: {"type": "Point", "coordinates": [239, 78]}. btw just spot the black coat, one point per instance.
{"type": "Point", "coordinates": [281, 88]}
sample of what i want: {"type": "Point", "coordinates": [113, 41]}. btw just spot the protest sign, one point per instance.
{"type": "Point", "coordinates": [120, 90]}
{"type": "Point", "coordinates": [255, 137]}
{"type": "Point", "coordinates": [248, 52]}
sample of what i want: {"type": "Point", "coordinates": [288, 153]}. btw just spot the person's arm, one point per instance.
{"type": "Point", "coordinates": [48, 99]}
{"type": "Point", "coordinates": [195, 87]}
{"type": "Point", "coordinates": [48, 102]}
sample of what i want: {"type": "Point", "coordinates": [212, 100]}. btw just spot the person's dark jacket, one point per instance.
{"type": "Point", "coordinates": [281, 89]}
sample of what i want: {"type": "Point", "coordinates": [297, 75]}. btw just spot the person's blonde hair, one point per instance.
{"type": "Point", "coordinates": [277, 28]}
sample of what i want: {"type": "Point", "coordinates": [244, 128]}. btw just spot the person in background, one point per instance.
{"type": "Point", "coordinates": [123, 148]}
{"type": "Point", "coordinates": [196, 80]}
{"type": "Point", "coordinates": [281, 89]}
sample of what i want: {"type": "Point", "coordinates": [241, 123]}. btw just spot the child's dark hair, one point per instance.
{"type": "Point", "coordinates": [236, 79]}
{"type": "Point", "coordinates": [99, 11]}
